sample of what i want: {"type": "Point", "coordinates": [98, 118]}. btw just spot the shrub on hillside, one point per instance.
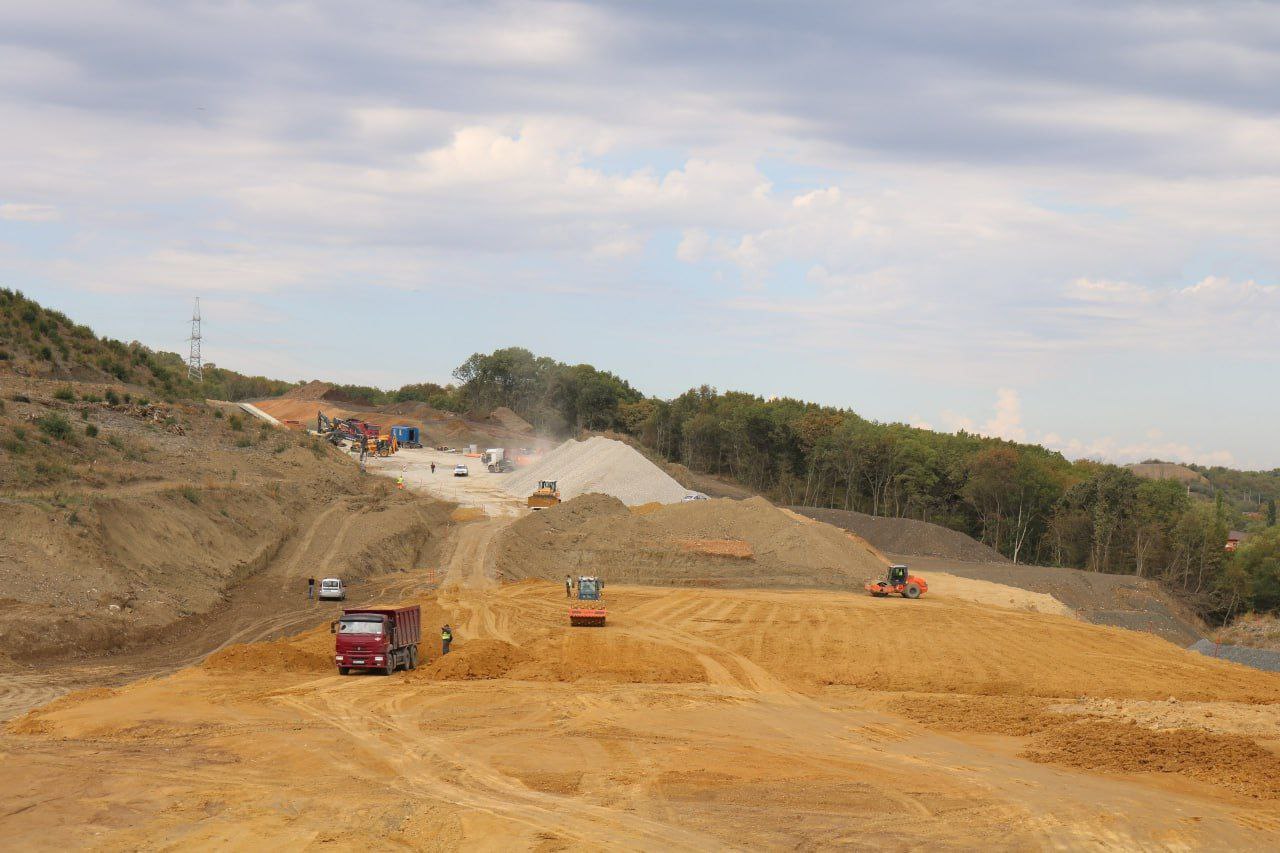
{"type": "Point", "coordinates": [66, 392]}
{"type": "Point", "coordinates": [55, 425]}
{"type": "Point", "coordinates": [91, 431]}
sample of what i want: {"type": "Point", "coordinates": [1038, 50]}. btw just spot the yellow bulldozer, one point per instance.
{"type": "Point", "coordinates": [545, 495]}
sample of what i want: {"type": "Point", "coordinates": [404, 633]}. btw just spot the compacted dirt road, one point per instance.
{"type": "Point", "coordinates": [697, 719]}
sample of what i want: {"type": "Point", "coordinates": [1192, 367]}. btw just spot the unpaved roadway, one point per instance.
{"type": "Point", "coordinates": [479, 489]}
{"type": "Point", "coordinates": [696, 719]}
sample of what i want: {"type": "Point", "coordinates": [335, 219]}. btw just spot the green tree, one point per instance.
{"type": "Point", "coordinates": [1271, 513]}
{"type": "Point", "coordinates": [1259, 560]}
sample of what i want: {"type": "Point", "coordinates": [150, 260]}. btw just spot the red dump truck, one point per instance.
{"type": "Point", "coordinates": [382, 639]}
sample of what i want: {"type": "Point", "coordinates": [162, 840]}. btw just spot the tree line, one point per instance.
{"type": "Point", "coordinates": [1029, 503]}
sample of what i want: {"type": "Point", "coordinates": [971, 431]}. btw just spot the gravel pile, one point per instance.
{"type": "Point", "coordinates": [906, 535]}
{"type": "Point", "coordinates": [599, 465]}
{"type": "Point", "coordinates": [1256, 658]}
{"type": "Point", "coordinates": [714, 543]}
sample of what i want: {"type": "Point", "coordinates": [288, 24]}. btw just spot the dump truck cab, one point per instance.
{"type": "Point", "coordinates": [380, 639]}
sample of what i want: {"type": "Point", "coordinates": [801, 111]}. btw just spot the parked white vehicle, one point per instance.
{"type": "Point", "coordinates": [460, 471]}
{"type": "Point", "coordinates": [332, 589]}
{"type": "Point", "coordinates": [694, 496]}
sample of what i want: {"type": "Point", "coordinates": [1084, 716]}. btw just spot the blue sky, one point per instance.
{"type": "Point", "coordinates": [1050, 222]}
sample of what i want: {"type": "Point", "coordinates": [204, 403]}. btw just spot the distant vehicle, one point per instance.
{"type": "Point", "coordinates": [460, 471]}
{"type": "Point", "coordinates": [546, 495]}
{"type": "Point", "coordinates": [495, 459]}
{"type": "Point", "coordinates": [331, 589]}
{"type": "Point", "coordinates": [900, 581]}
{"type": "Point", "coordinates": [407, 436]}
{"type": "Point", "coordinates": [382, 639]}
{"type": "Point", "coordinates": [582, 615]}
{"type": "Point", "coordinates": [694, 496]}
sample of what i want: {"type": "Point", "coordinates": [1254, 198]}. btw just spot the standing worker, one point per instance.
{"type": "Point", "coordinates": [311, 588]}
{"type": "Point", "coordinates": [400, 482]}
{"type": "Point", "coordinates": [568, 587]}
{"type": "Point", "coordinates": [433, 467]}
{"type": "Point", "coordinates": [446, 637]}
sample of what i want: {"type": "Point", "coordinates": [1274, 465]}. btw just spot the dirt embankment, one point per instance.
{"type": "Point", "coordinates": [170, 509]}
{"type": "Point", "coordinates": [503, 428]}
{"type": "Point", "coordinates": [701, 543]}
{"type": "Point", "coordinates": [1123, 601]}
{"type": "Point", "coordinates": [906, 535]}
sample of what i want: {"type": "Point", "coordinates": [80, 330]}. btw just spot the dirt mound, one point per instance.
{"type": "Point", "coordinates": [510, 420]}
{"type": "Point", "coordinates": [1167, 471]}
{"type": "Point", "coordinates": [1229, 761]}
{"type": "Point", "coordinates": [275, 656]}
{"type": "Point", "coordinates": [315, 390]}
{"type": "Point", "coordinates": [416, 409]}
{"type": "Point", "coordinates": [1072, 739]}
{"type": "Point", "coordinates": [474, 659]}
{"type": "Point", "coordinates": [699, 543]}
{"type": "Point", "coordinates": [906, 536]}
{"type": "Point", "coordinates": [1123, 601]}
{"type": "Point", "coordinates": [734, 548]}
{"type": "Point", "coordinates": [591, 655]}
{"type": "Point", "coordinates": [599, 465]}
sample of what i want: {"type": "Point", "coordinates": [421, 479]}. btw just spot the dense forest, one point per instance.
{"type": "Point", "coordinates": [1031, 504]}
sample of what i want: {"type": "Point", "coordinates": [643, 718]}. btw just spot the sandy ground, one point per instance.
{"type": "Point", "coordinates": [696, 719]}
{"type": "Point", "coordinates": [479, 489]}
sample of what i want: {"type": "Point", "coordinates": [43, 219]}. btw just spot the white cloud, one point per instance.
{"type": "Point", "coordinates": [15, 212]}
{"type": "Point", "coordinates": [1006, 423]}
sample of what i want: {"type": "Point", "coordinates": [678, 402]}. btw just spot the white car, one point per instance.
{"type": "Point", "coordinates": [460, 471]}
{"type": "Point", "coordinates": [694, 496]}
{"type": "Point", "coordinates": [331, 589]}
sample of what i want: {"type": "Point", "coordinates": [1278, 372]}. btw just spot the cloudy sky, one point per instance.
{"type": "Point", "coordinates": [1051, 222]}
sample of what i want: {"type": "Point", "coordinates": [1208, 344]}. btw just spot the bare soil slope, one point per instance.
{"type": "Point", "coordinates": [700, 543]}
{"type": "Point", "coordinates": [906, 535]}
{"type": "Point", "coordinates": [1124, 601]}
{"type": "Point", "coordinates": [698, 719]}
{"type": "Point", "coordinates": [120, 517]}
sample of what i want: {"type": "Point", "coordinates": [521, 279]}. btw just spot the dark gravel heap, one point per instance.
{"type": "Point", "coordinates": [1256, 658]}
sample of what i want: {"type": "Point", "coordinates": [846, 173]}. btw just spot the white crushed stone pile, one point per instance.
{"type": "Point", "coordinates": [599, 465]}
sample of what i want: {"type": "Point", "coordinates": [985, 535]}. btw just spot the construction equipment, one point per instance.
{"type": "Point", "coordinates": [588, 615]}
{"type": "Point", "coordinates": [382, 639]}
{"type": "Point", "coordinates": [545, 495]}
{"type": "Point", "coordinates": [327, 429]}
{"type": "Point", "coordinates": [899, 581]}
{"type": "Point", "coordinates": [495, 459]}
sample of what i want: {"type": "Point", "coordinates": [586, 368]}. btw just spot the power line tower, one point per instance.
{"type": "Point", "coordinates": [195, 367]}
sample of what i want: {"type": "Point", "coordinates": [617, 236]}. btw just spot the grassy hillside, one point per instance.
{"type": "Point", "coordinates": [42, 343]}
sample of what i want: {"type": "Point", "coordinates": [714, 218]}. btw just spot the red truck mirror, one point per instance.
{"type": "Point", "coordinates": [333, 627]}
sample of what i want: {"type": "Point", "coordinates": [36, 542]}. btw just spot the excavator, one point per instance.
{"type": "Point", "coordinates": [588, 615]}
{"type": "Point", "coordinates": [327, 428]}
{"type": "Point", "coordinates": [898, 581]}
{"type": "Point", "coordinates": [547, 494]}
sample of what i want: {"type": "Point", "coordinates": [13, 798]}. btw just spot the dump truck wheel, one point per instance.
{"type": "Point", "coordinates": [342, 670]}
{"type": "Point", "coordinates": [413, 657]}
{"type": "Point", "coordinates": [391, 665]}
{"type": "Point", "coordinates": [911, 591]}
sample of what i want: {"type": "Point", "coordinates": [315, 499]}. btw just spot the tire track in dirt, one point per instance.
{"type": "Point", "coordinates": [438, 768]}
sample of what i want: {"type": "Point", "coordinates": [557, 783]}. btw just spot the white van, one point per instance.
{"type": "Point", "coordinates": [331, 589]}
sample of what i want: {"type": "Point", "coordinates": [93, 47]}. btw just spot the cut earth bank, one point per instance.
{"type": "Point", "coordinates": [699, 717]}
